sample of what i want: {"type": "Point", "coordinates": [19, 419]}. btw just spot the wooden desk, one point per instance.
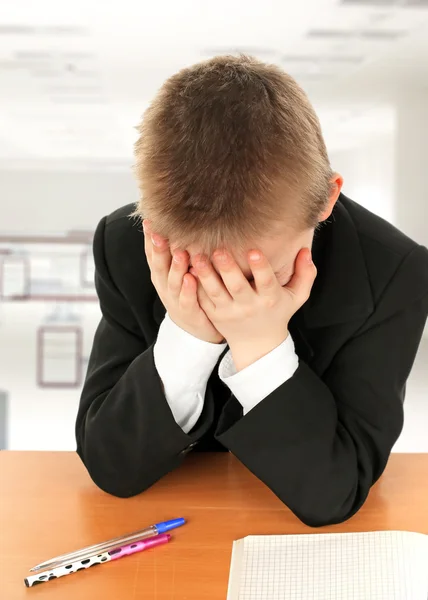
{"type": "Point", "coordinates": [49, 506]}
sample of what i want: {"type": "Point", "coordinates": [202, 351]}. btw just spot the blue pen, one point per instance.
{"type": "Point", "coordinates": [111, 544]}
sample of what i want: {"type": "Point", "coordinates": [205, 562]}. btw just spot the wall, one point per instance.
{"type": "Point", "coordinates": [46, 201]}
{"type": "Point", "coordinates": [411, 165]}
{"type": "Point", "coordinates": [368, 173]}
{"type": "Point", "coordinates": [387, 174]}
{"type": "Point", "coordinates": [34, 201]}
{"type": "Point", "coordinates": [38, 201]}
{"type": "Point", "coordinates": [38, 418]}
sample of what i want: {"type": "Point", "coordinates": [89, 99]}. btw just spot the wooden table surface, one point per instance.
{"type": "Point", "coordinates": [49, 506]}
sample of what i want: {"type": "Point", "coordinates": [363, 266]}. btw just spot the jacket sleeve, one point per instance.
{"type": "Point", "coordinates": [321, 443]}
{"type": "Point", "coordinates": [126, 434]}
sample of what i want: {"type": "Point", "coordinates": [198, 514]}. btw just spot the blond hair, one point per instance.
{"type": "Point", "coordinates": [227, 148]}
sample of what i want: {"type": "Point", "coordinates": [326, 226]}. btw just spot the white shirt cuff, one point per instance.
{"type": "Point", "coordinates": [184, 364]}
{"type": "Point", "coordinates": [254, 383]}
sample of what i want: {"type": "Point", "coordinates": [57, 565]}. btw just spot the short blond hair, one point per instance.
{"type": "Point", "coordinates": [228, 147]}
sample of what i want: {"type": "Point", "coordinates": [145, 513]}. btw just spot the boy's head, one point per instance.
{"type": "Point", "coordinates": [231, 155]}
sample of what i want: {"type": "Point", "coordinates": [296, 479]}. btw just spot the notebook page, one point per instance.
{"type": "Point", "coordinates": [384, 565]}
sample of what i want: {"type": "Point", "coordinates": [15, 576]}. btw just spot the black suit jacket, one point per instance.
{"type": "Point", "coordinates": [322, 438]}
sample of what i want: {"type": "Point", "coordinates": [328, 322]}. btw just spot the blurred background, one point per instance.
{"type": "Point", "coordinates": [75, 78]}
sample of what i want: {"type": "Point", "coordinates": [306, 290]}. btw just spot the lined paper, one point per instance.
{"type": "Point", "coordinates": [380, 565]}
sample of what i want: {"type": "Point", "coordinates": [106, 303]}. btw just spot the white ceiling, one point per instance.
{"type": "Point", "coordinates": [76, 76]}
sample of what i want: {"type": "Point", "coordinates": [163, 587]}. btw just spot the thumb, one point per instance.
{"type": "Point", "coordinates": [305, 271]}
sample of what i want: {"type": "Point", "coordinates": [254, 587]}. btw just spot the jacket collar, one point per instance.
{"type": "Point", "coordinates": [341, 291]}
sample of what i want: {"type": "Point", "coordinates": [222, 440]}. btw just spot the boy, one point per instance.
{"type": "Point", "coordinates": [219, 332]}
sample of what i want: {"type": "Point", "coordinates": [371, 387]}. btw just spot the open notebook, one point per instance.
{"type": "Point", "coordinates": [375, 565]}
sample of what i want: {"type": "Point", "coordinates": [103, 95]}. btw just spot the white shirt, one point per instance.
{"type": "Point", "coordinates": [184, 364]}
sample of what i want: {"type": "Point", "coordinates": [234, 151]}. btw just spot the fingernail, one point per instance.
{"type": "Point", "coordinates": [309, 256]}
{"type": "Point", "coordinates": [156, 241]}
{"type": "Point", "coordinates": [201, 262]}
{"type": "Point", "coordinates": [255, 256]}
{"type": "Point", "coordinates": [221, 256]}
{"type": "Point", "coordinates": [176, 258]}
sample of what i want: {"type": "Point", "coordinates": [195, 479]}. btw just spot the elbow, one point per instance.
{"type": "Point", "coordinates": [123, 478]}
{"type": "Point", "coordinates": [118, 489]}
{"type": "Point", "coordinates": [327, 506]}
{"type": "Point", "coordinates": [323, 519]}
{"type": "Point", "coordinates": [120, 485]}
{"type": "Point", "coordinates": [322, 515]}
{"type": "Point", "coordinates": [114, 482]}
{"type": "Point", "coordinates": [106, 469]}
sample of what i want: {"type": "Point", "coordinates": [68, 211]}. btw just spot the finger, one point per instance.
{"type": "Point", "coordinates": [204, 301]}
{"type": "Point", "coordinates": [265, 279]}
{"type": "Point", "coordinates": [188, 300]}
{"type": "Point", "coordinates": [304, 276]}
{"type": "Point", "coordinates": [160, 257]}
{"type": "Point", "coordinates": [233, 278]}
{"type": "Point", "coordinates": [179, 267]}
{"type": "Point", "coordinates": [211, 281]}
{"type": "Point", "coordinates": [147, 241]}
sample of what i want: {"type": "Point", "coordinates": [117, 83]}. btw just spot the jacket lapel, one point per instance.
{"type": "Point", "coordinates": [341, 291]}
{"type": "Point", "coordinates": [341, 299]}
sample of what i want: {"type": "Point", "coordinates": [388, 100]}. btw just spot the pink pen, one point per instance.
{"type": "Point", "coordinates": [97, 559]}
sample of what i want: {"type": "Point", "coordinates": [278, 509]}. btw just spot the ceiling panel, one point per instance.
{"type": "Point", "coordinates": [77, 78]}
{"type": "Point", "coordinates": [387, 3]}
